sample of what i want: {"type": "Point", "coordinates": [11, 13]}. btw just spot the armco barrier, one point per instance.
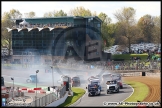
{"type": "Point", "coordinates": [58, 102]}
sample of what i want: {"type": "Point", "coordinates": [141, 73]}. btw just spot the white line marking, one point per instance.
{"type": "Point", "coordinates": [131, 94]}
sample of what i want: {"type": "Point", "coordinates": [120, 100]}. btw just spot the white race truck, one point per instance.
{"type": "Point", "coordinates": [112, 86]}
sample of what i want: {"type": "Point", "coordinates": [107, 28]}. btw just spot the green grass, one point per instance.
{"type": "Point", "coordinates": [128, 56]}
{"type": "Point", "coordinates": [77, 93]}
{"type": "Point", "coordinates": [140, 91]}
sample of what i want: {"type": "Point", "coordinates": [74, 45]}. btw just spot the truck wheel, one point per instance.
{"type": "Point", "coordinates": [89, 95]}
{"type": "Point", "coordinates": [28, 80]}
{"type": "Point", "coordinates": [99, 94]}
{"type": "Point", "coordinates": [121, 87]}
{"type": "Point", "coordinates": [117, 90]}
{"type": "Point", "coordinates": [108, 92]}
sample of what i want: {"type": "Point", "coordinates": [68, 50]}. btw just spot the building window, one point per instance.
{"type": "Point", "coordinates": [17, 43]}
{"type": "Point", "coordinates": [98, 25]}
{"type": "Point", "coordinates": [21, 33]}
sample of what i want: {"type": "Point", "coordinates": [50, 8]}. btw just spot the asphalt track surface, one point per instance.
{"type": "Point", "coordinates": [97, 101]}
{"type": "Point", "coordinates": [45, 80]}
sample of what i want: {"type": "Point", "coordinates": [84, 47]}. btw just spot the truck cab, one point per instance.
{"type": "Point", "coordinates": [112, 86]}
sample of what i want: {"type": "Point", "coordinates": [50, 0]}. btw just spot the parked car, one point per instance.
{"type": "Point", "coordinates": [75, 81]}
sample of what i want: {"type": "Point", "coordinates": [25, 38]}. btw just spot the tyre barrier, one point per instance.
{"type": "Point", "coordinates": [30, 90]}
{"type": "Point", "coordinates": [37, 88]}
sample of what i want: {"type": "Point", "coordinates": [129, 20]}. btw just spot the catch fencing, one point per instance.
{"type": "Point", "coordinates": [49, 98]}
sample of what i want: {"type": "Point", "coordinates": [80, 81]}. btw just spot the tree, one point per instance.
{"type": "Point", "coordinates": [6, 39]}
{"type": "Point", "coordinates": [49, 14]}
{"type": "Point", "coordinates": [146, 25]}
{"type": "Point", "coordinates": [81, 11]}
{"type": "Point", "coordinates": [156, 32]}
{"type": "Point", "coordinates": [60, 13]}
{"type": "Point", "coordinates": [106, 29]}
{"type": "Point", "coordinates": [126, 20]}
{"type": "Point", "coordinates": [55, 13]}
{"type": "Point", "coordinates": [30, 14]}
{"type": "Point", "coordinates": [105, 19]}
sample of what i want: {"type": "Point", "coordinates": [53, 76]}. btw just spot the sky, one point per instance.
{"type": "Point", "coordinates": [142, 8]}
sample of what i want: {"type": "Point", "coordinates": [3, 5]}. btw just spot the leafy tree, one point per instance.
{"type": "Point", "coordinates": [49, 14]}
{"type": "Point", "coordinates": [81, 11]}
{"type": "Point", "coordinates": [126, 20]}
{"type": "Point", "coordinates": [6, 21]}
{"type": "Point", "coordinates": [60, 13]}
{"type": "Point", "coordinates": [55, 13]}
{"type": "Point", "coordinates": [30, 14]}
{"type": "Point", "coordinates": [146, 25]}
{"type": "Point", "coordinates": [156, 32]}
{"type": "Point", "coordinates": [106, 29]}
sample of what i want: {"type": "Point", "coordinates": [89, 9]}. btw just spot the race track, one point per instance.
{"type": "Point", "coordinates": [153, 82]}
{"type": "Point", "coordinates": [45, 79]}
{"type": "Point", "coordinates": [98, 100]}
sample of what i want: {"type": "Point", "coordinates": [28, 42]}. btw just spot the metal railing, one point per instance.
{"type": "Point", "coordinates": [131, 65]}
{"type": "Point", "coordinates": [49, 98]}
{"type": "Point", "coordinates": [45, 100]}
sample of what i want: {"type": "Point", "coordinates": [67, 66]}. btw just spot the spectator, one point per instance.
{"type": "Point", "coordinates": [159, 59]}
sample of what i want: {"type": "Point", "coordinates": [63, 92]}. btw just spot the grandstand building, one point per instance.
{"type": "Point", "coordinates": [42, 40]}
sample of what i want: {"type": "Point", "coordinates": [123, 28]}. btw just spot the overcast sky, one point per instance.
{"type": "Point", "coordinates": [142, 8]}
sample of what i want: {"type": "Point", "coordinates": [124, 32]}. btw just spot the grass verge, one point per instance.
{"type": "Point", "coordinates": [128, 56]}
{"type": "Point", "coordinates": [77, 93]}
{"type": "Point", "coordinates": [140, 91]}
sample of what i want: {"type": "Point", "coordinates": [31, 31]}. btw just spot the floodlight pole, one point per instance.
{"type": "Point", "coordinates": [52, 75]}
{"type": "Point", "coordinates": [36, 86]}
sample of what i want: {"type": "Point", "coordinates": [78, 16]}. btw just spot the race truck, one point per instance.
{"type": "Point", "coordinates": [32, 79]}
{"type": "Point", "coordinates": [91, 78]}
{"type": "Point", "coordinates": [94, 88]}
{"type": "Point", "coordinates": [112, 86]}
{"type": "Point", "coordinates": [118, 78]}
{"type": "Point", "coordinates": [95, 81]}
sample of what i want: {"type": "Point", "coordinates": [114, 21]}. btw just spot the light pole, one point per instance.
{"type": "Point", "coordinates": [52, 75]}
{"type": "Point", "coordinates": [13, 86]}
{"type": "Point", "coordinates": [36, 82]}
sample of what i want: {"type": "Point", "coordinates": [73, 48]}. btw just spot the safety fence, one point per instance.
{"type": "Point", "coordinates": [45, 100]}
{"type": "Point", "coordinates": [49, 98]}
{"type": "Point", "coordinates": [113, 65]}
